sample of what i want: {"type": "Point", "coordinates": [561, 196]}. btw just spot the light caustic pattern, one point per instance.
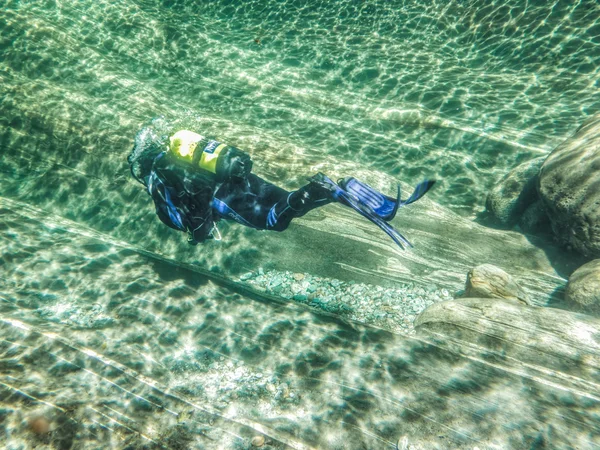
{"type": "Point", "coordinates": [117, 350]}
{"type": "Point", "coordinates": [458, 90]}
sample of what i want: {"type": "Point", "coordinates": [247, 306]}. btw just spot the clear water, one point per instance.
{"type": "Point", "coordinates": [401, 90]}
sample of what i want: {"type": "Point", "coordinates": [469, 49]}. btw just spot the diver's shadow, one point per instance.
{"type": "Point", "coordinates": [563, 261]}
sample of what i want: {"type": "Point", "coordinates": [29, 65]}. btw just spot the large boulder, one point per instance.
{"type": "Point", "coordinates": [489, 281]}
{"type": "Point", "coordinates": [511, 197]}
{"type": "Point", "coordinates": [583, 289]}
{"type": "Point", "coordinates": [563, 344]}
{"type": "Point", "coordinates": [569, 186]}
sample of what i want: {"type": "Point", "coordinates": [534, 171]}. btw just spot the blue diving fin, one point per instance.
{"type": "Point", "coordinates": [382, 205]}
{"type": "Point", "coordinates": [361, 207]}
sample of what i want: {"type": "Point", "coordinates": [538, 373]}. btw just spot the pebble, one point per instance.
{"type": "Point", "coordinates": [402, 443]}
{"type": "Point", "coordinates": [238, 374]}
{"type": "Point", "coordinates": [39, 425]}
{"type": "Point", "coordinates": [277, 289]}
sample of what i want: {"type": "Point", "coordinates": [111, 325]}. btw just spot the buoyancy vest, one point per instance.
{"type": "Point", "coordinates": [182, 196]}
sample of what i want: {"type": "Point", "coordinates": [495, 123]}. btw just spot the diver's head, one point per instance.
{"type": "Point", "coordinates": [147, 146]}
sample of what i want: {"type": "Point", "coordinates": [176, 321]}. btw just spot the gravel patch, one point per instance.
{"type": "Point", "coordinates": [394, 309]}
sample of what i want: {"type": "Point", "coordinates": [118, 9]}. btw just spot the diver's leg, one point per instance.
{"type": "Point", "coordinates": [259, 204]}
{"type": "Point", "coordinates": [297, 204]}
{"type": "Point", "coordinates": [244, 200]}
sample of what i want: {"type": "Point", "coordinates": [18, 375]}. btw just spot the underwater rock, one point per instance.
{"type": "Point", "coordinates": [39, 425]}
{"type": "Point", "coordinates": [488, 281]}
{"type": "Point", "coordinates": [583, 289]}
{"type": "Point", "coordinates": [511, 197]}
{"type": "Point", "coordinates": [402, 443]}
{"type": "Point", "coordinates": [536, 336]}
{"type": "Point", "coordinates": [568, 186]}
{"type": "Point", "coordinates": [246, 276]}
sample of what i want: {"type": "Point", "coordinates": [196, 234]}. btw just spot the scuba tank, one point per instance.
{"type": "Point", "coordinates": [223, 160]}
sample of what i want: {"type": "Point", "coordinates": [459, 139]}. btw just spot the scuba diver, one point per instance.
{"type": "Point", "coordinates": [195, 181]}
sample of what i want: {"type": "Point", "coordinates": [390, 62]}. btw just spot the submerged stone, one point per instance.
{"type": "Point", "coordinates": [511, 197]}
{"type": "Point", "coordinates": [568, 186]}
{"type": "Point", "coordinates": [489, 281]}
{"type": "Point", "coordinates": [583, 289]}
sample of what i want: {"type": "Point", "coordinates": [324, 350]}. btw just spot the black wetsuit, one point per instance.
{"type": "Point", "coordinates": [255, 203]}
